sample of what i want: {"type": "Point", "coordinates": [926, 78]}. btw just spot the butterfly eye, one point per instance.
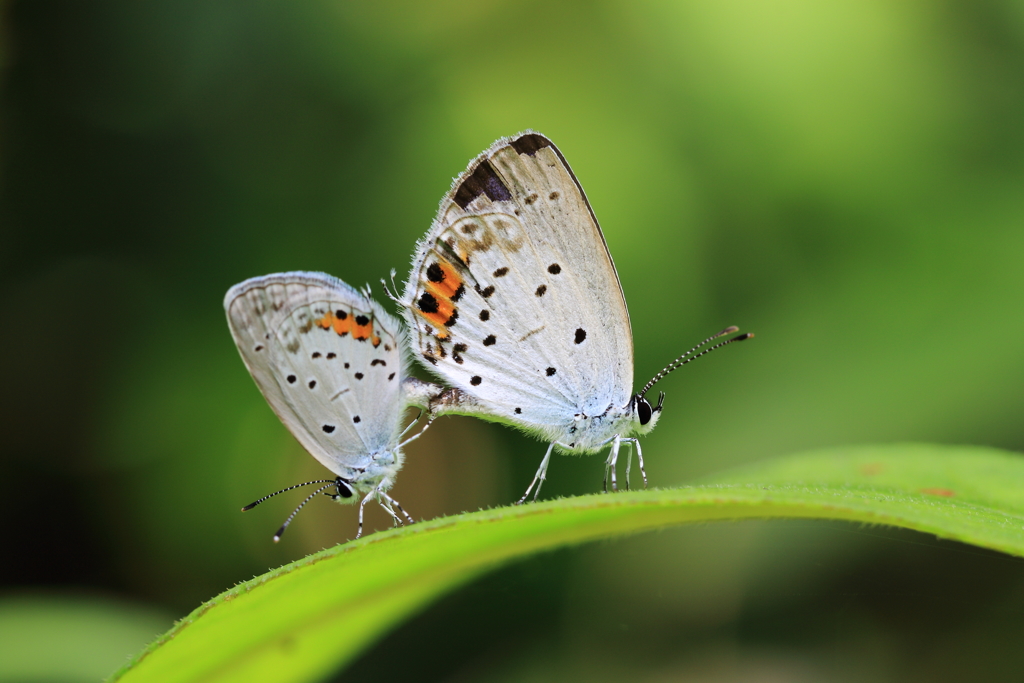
{"type": "Point", "coordinates": [343, 489]}
{"type": "Point", "coordinates": [643, 410]}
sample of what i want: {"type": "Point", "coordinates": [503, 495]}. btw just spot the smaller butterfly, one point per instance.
{"type": "Point", "coordinates": [333, 365]}
{"type": "Point", "coordinates": [513, 300]}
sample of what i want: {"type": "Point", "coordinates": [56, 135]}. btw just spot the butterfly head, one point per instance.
{"type": "Point", "coordinates": [344, 491]}
{"type": "Point", "coordinates": [645, 416]}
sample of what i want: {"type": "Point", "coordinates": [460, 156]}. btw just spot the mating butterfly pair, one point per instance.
{"type": "Point", "coordinates": [513, 301]}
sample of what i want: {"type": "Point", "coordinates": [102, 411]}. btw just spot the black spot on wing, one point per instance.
{"type": "Point", "coordinates": [530, 143]}
{"type": "Point", "coordinates": [259, 347]}
{"type": "Point", "coordinates": [452, 318]}
{"type": "Point", "coordinates": [475, 381]}
{"type": "Point", "coordinates": [377, 361]}
{"type": "Point", "coordinates": [458, 293]}
{"type": "Point", "coordinates": [457, 352]}
{"type": "Point", "coordinates": [486, 291]}
{"type": "Point", "coordinates": [316, 354]}
{"type": "Point", "coordinates": [291, 379]}
{"type": "Point", "coordinates": [489, 340]}
{"type": "Point", "coordinates": [553, 196]}
{"type": "Point", "coordinates": [391, 376]}
{"type": "Point", "coordinates": [540, 290]}
{"type": "Point", "coordinates": [554, 269]}
{"type": "Point", "coordinates": [485, 315]}
{"type": "Point", "coordinates": [550, 371]}
{"type": "Point", "coordinates": [312, 384]}
{"type": "Point", "coordinates": [328, 428]}
{"type": "Point", "coordinates": [332, 355]}
{"type": "Point", "coordinates": [359, 375]}
{"type": "Point", "coordinates": [435, 273]}
{"type": "Point", "coordinates": [340, 314]}
{"type": "Point", "coordinates": [483, 180]}
{"type": "Point", "coordinates": [427, 303]}
{"type": "Point", "coordinates": [581, 334]}
{"type": "Point", "coordinates": [362, 319]}
{"type": "Point", "coordinates": [356, 419]}
{"type": "Point", "coordinates": [346, 366]}
{"type": "Point", "coordinates": [518, 411]}
{"type": "Point", "coordinates": [501, 272]}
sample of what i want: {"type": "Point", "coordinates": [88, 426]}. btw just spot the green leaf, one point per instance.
{"type": "Point", "coordinates": [303, 621]}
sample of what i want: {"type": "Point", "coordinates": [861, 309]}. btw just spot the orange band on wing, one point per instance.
{"type": "Point", "coordinates": [442, 315]}
{"type": "Point", "coordinates": [450, 282]}
{"type": "Point", "coordinates": [362, 331]}
{"type": "Point", "coordinates": [341, 325]}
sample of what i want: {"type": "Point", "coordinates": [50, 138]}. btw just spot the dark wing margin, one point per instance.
{"type": "Point", "coordinates": [531, 143]}
{"type": "Point", "coordinates": [483, 180]}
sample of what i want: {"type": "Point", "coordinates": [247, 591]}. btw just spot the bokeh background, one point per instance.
{"type": "Point", "coordinates": [846, 179]}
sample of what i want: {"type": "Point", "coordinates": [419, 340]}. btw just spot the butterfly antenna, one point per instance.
{"type": "Point", "coordinates": [687, 357]}
{"type": "Point", "coordinates": [250, 506]}
{"type": "Point", "coordinates": [393, 292]}
{"type": "Point", "coordinates": [280, 532]}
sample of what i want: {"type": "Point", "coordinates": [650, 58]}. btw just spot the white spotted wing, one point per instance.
{"type": "Point", "coordinates": [514, 299]}
{"type": "Point", "coordinates": [330, 362]}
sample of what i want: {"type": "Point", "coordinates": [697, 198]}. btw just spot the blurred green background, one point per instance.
{"type": "Point", "coordinates": [846, 179]}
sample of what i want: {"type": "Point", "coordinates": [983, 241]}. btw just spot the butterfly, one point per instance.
{"type": "Point", "coordinates": [513, 300]}
{"type": "Point", "coordinates": [333, 365]}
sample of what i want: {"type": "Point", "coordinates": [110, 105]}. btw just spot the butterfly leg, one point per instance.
{"type": "Point", "coordinates": [417, 434]}
{"type": "Point", "coordinates": [629, 459]}
{"type": "Point", "coordinates": [538, 479]}
{"type": "Point", "coordinates": [362, 506]}
{"type": "Point", "coordinates": [398, 505]}
{"type": "Point", "coordinates": [412, 424]}
{"type": "Point", "coordinates": [640, 459]}
{"type": "Point", "coordinates": [609, 463]}
{"type": "Point", "coordinates": [386, 504]}
{"type": "Point", "coordinates": [613, 458]}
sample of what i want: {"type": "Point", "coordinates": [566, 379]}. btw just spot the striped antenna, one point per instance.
{"type": "Point", "coordinates": [250, 506]}
{"type": "Point", "coordinates": [280, 532]}
{"type": "Point", "coordinates": [687, 357]}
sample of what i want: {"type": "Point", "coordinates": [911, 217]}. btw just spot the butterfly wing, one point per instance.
{"type": "Point", "coordinates": [513, 296]}
{"type": "Point", "coordinates": [329, 361]}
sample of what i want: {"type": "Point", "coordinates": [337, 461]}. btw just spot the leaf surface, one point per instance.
{"type": "Point", "coordinates": [303, 621]}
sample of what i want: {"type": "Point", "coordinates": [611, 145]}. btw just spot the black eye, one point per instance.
{"type": "Point", "coordinates": [643, 410]}
{"type": "Point", "coordinates": [343, 490]}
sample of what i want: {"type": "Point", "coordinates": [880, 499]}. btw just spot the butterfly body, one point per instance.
{"type": "Point", "coordinates": [333, 366]}
{"type": "Point", "coordinates": [514, 300]}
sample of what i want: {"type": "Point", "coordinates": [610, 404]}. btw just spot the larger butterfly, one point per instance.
{"type": "Point", "coordinates": [513, 299]}
{"type": "Point", "coordinates": [333, 365]}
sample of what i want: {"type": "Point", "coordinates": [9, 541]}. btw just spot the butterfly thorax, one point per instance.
{"type": "Point", "coordinates": [377, 467]}
{"type": "Point", "coordinates": [587, 433]}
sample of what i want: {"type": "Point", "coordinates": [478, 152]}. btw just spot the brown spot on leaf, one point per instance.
{"type": "Point", "coordinates": [945, 493]}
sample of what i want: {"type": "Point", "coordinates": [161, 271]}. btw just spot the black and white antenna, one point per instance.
{"type": "Point", "coordinates": [343, 490]}
{"type": "Point", "coordinates": [687, 357]}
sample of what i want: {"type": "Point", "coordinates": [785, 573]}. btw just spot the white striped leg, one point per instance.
{"type": "Point", "coordinates": [362, 506]}
{"type": "Point", "coordinates": [613, 457]}
{"type": "Point", "coordinates": [392, 502]}
{"type": "Point", "coordinates": [417, 434]}
{"type": "Point", "coordinates": [538, 479]}
{"type": "Point", "coordinates": [629, 458]}
{"type": "Point", "coordinates": [640, 460]}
